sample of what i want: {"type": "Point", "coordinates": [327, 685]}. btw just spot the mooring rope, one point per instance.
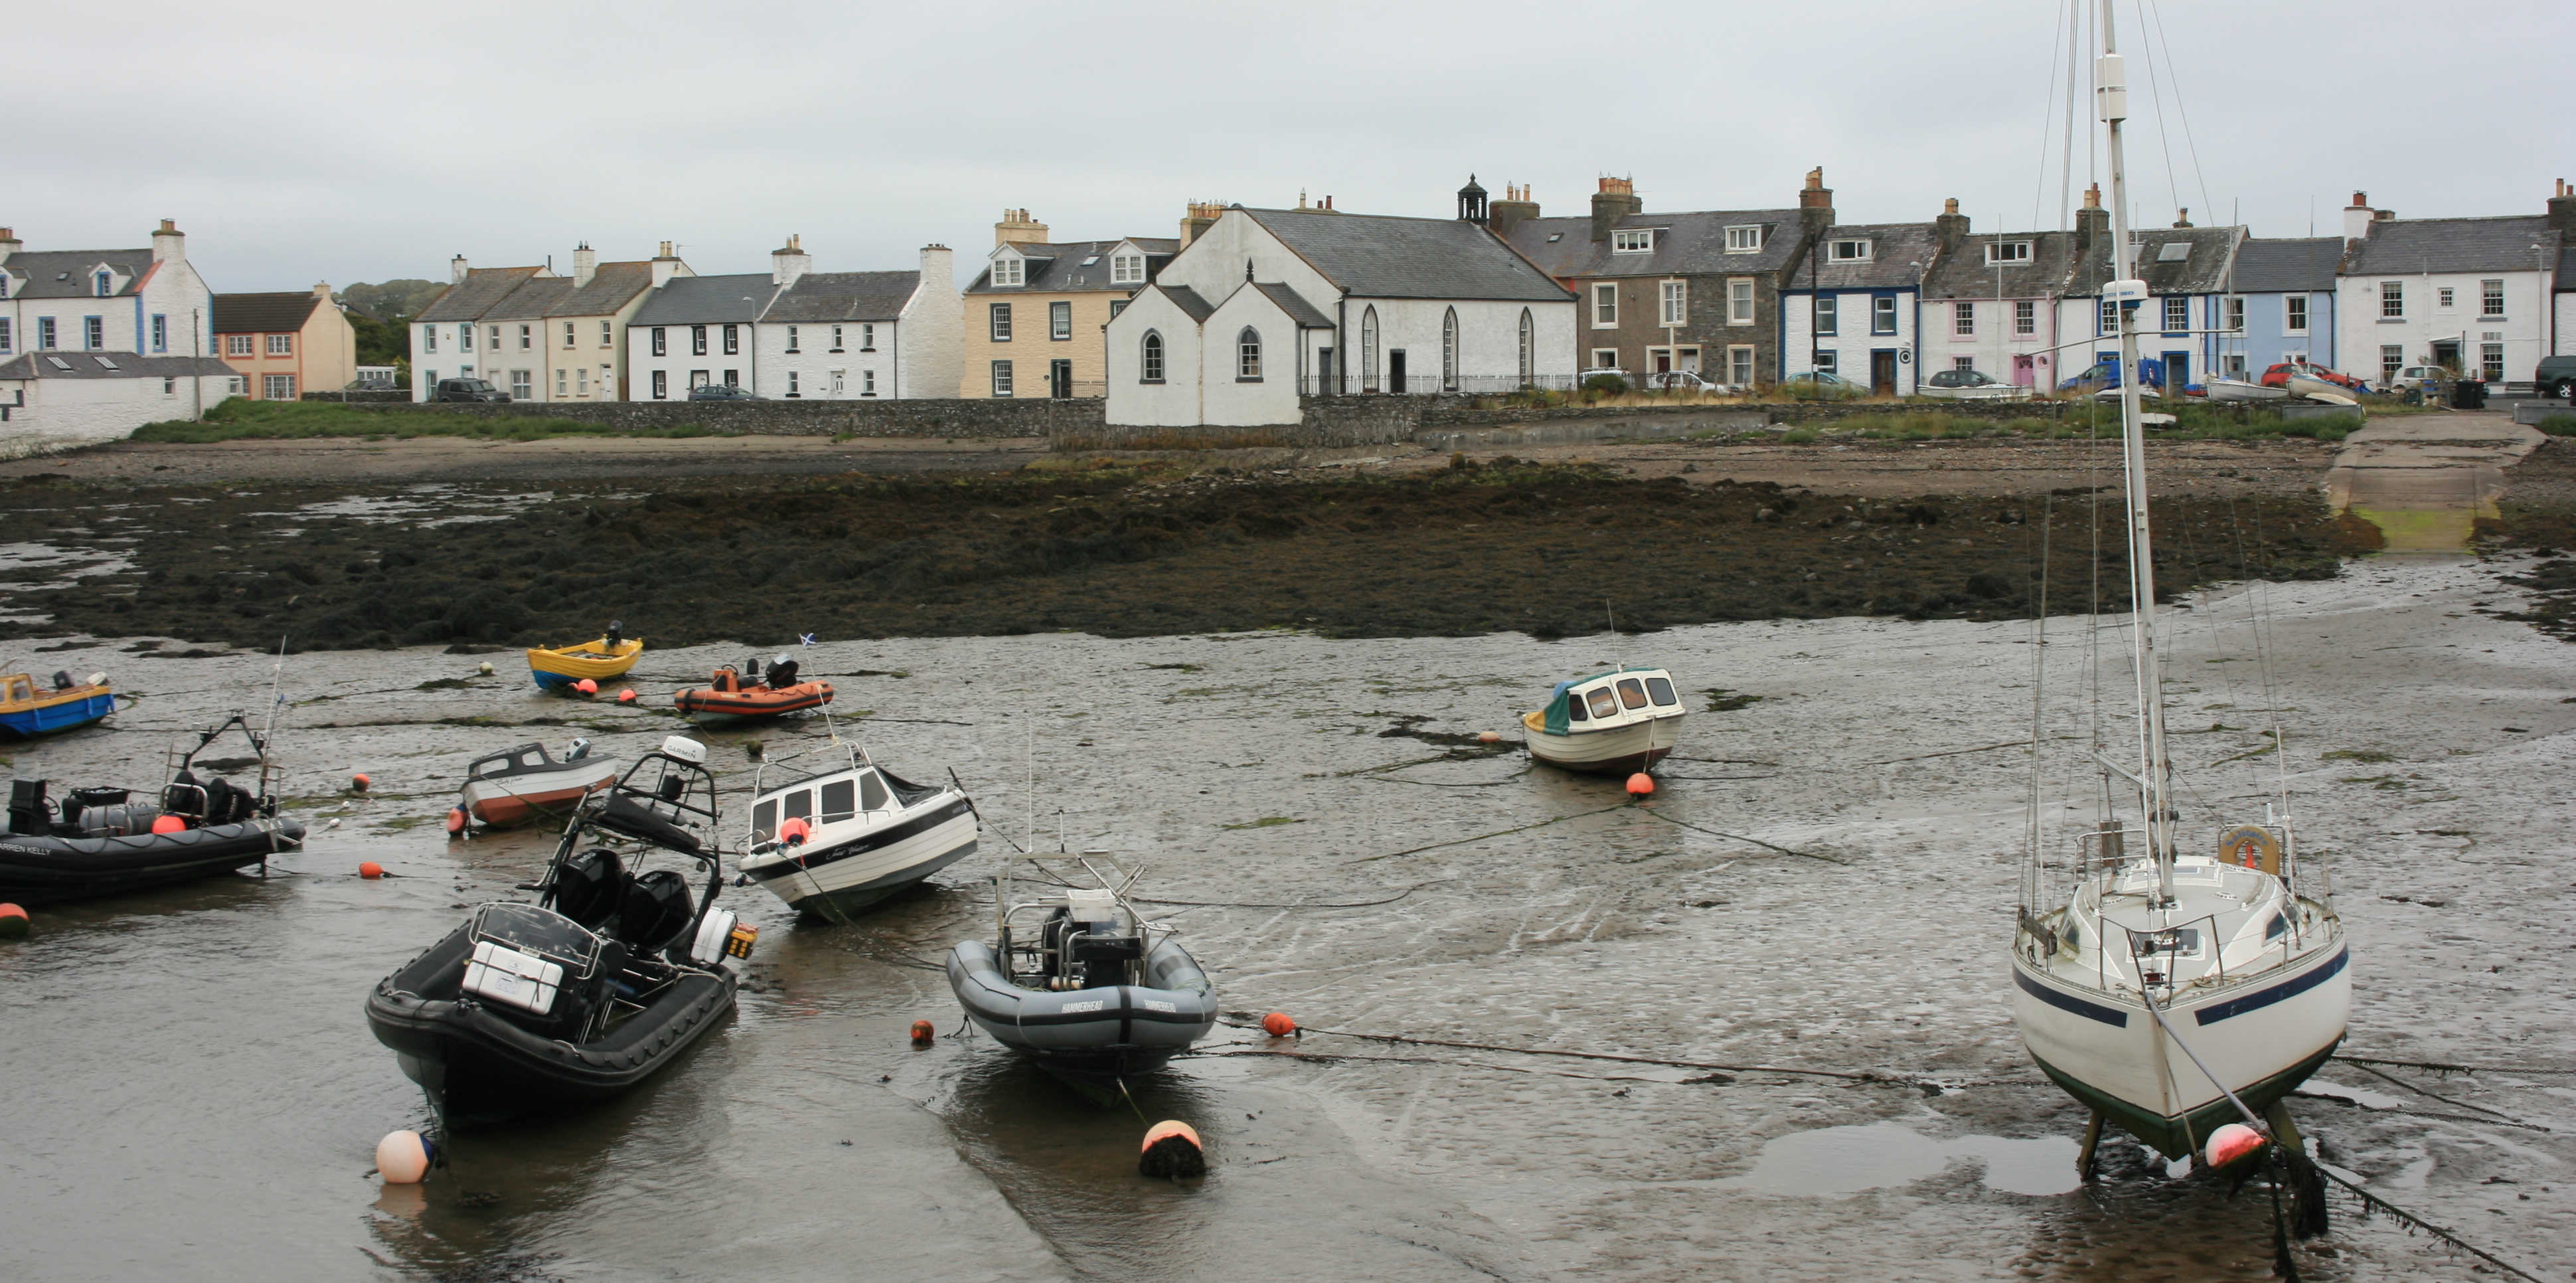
{"type": "Point", "coordinates": [2373, 1202]}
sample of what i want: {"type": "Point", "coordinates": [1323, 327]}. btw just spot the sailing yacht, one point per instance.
{"type": "Point", "coordinates": [2188, 979]}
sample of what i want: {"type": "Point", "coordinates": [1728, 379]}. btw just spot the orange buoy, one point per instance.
{"type": "Point", "coordinates": [1489, 737]}
{"type": "Point", "coordinates": [169, 824]}
{"type": "Point", "coordinates": [402, 1158]}
{"type": "Point", "coordinates": [1641, 785]}
{"type": "Point", "coordinates": [359, 782]}
{"type": "Point", "coordinates": [794, 830]}
{"type": "Point", "coordinates": [586, 686]}
{"type": "Point", "coordinates": [923, 1033]}
{"type": "Point", "coordinates": [1278, 1025]}
{"type": "Point", "coordinates": [2231, 1143]}
{"type": "Point", "coordinates": [1172, 1150]}
{"type": "Point", "coordinates": [455, 820]}
{"type": "Point", "coordinates": [626, 696]}
{"type": "Point", "coordinates": [370, 869]}
{"type": "Point", "coordinates": [13, 922]}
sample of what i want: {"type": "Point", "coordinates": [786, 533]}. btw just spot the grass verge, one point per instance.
{"type": "Point", "coordinates": [241, 419]}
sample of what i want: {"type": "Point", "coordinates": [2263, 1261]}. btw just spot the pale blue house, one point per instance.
{"type": "Point", "coordinates": [2285, 291]}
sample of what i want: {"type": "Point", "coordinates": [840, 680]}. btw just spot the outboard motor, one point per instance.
{"type": "Point", "coordinates": [29, 813]}
{"type": "Point", "coordinates": [577, 750]}
{"type": "Point", "coordinates": [590, 887]}
{"type": "Point", "coordinates": [1098, 946]}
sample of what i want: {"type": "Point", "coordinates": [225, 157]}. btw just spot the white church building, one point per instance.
{"type": "Point", "coordinates": [1269, 304]}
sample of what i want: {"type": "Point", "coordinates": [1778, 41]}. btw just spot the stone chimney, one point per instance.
{"type": "Point", "coordinates": [1017, 228]}
{"type": "Point", "coordinates": [665, 266]}
{"type": "Point", "coordinates": [2092, 223]}
{"type": "Point", "coordinates": [2182, 217]}
{"type": "Point", "coordinates": [1201, 215]}
{"type": "Point", "coordinates": [1951, 227]}
{"type": "Point", "coordinates": [1514, 209]}
{"type": "Point", "coordinates": [585, 265]}
{"type": "Point", "coordinates": [456, 270]}
{"type": "Point", "coordinates": [789, 261]}
{"type": "Point", "coordinates": [322, 290]}
{"type": "Point", "coordinates": [9, 242]}
{"type": "Point", "coordinates": [169, 244]}
{"type": "Point", "coordinates": [939, 269]}
{"type": "Point", "coordinates": [1616, 200]}
{"type": "Point", "coordinates": [2358, 216]}
{"type": "Point", "coordinates": [1816, 203]}
{"type": "Point", "coordinates": [2562, 217]}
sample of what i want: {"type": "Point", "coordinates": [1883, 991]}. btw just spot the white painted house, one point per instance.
{"type": "Point", "coordinates": [851, 336]}
{"type": "Point", "coordinates": [1850, 305]}
{"type": "Point", "coordinates": [696, 330]}
{"type": "Point", "coordinates": [448, 338]}
{"type": "Point", "coordinates": [2472, 293]}
{"type": "Point", "coordinates": [56, 400]}
{"type": "Point", "coordinates": [149, 302]}
{"type": "Point", "coordinates": [1266, 304]}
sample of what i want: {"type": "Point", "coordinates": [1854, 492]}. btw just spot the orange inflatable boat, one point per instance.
{"type": "Point", "coordinates": [747, 692]}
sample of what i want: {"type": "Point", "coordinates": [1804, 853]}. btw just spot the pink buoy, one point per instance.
{"type": "Point", "coordinates": [2232, 1143]}
{"type": "Point", "coordinates": [455, 820]}
{"type": "Point", "coordinates": [403, 1158]}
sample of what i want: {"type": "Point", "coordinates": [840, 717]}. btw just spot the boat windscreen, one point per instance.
{"type": "Point", "coordinates": [840, 800]}
{"type": "Point", "coordinates": [1661, 688]}
{"type": "Point", "coordinates": [764, 820]}
{"type": "Point", "coordinates": [1604, 704]}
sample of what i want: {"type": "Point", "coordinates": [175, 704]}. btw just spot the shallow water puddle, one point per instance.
{"type": "Point", "coordinates": [1847, 1160]}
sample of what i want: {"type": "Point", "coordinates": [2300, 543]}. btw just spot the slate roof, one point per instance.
{"type": "Point", "coordinates": [2203, 271]}
{"type": "Point", "coordinates": [1687, 244]}
{"type": "Point", "coordinates": [1899, 255]}
{"type": "Point", "coordinates": [1381, 256]}
{"type": "Point", "coordinates": [2297, 265]}
{"type": "Point", "coordinates": [1305, 314]}
{"type": "Point", "coordinates": [2401, 246]}
{"type": "Point", "coordinates": [482, 287]}
{"type": "Point", "coordinates": [1058, 268]}
{"type": "Point", "coordinates": [845, 296]}
{"type": "Point", "coordinates": [264, 313]}
{"type": "Point", "coordinates": [96, 365]}
{"type": "Point", "coordinates": [708, 300]}
{"type": "Point", "coordinates": [1965, 273]}
{"type": "Point", "coordinates": [64, 273]}
{"type": "Point", "coordinates": [1188, 300]}
{"type": "Point", "coordinates": [533, 300]}
{"type": "Point", "coordinates": [612, 286]}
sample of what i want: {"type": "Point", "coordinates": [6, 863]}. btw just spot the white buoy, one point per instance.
{"type": "Point", "coordinates": [484, 668]}
{"type": "Point", "coordinates": [402, 1158]}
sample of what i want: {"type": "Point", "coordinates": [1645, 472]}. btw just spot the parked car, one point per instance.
{"type": "Point", "coordinates": [1969, 385]}
{"type": "Point", "coordinates": [2279, 376]}
{"type": "Point", "coordinates": [1685, 381]}
{"type": "Point", "coordinates": [2104, 376]}
{"type": "Point", "coordinates": [1821, 385]}
{"type": "Point", "coordinates": [721, 392]}
{"type": "Point", "coordinates": [2556, 377]}
{"type": "Point", "coordinates": [467, 390]}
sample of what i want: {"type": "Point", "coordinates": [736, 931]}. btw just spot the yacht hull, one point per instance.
{"type": "Point", "coordinates": [2263, 1036]}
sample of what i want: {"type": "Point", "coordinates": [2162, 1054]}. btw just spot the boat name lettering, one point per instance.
{"type": "Point", "coordinates": [1151, 1005]}
{"type": "Point", "coordinates": [1093, 1005]}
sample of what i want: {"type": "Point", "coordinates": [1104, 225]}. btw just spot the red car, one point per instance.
{"type": "Point", "coordinates": [2279, 376]}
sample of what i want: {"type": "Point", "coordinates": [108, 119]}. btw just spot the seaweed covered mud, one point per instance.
{"type": "Point", "coordinates": [1117, 551]}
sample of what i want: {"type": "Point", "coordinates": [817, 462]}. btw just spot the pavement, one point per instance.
{"type": "Point", "coordinates": [2426, 479]}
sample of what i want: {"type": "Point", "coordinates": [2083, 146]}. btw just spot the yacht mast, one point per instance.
{"type": "Point", "coordinates": [2125, 291]}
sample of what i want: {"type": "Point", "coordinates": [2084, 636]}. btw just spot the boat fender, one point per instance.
{"type": "Point", "coordinates": [455, 821]}
{"type": "Point", "coordinates": [169, 824]}
{"type": "Point", "coordinates": [1172, 1151]}
{"type": "Point", "coordinates": [715, 938]}
{"type": "Point", "coordinates": [13, 922]}
{"type": "Point", "coordinates": [403, 1157]}
{"type": "Point", "coordinates": [1278, 1025]}
{"type": "Point", "coordinates": [923, 1032]}
{"type": "Point", "coordinates": [2230, 1143]}
{"type": "Point", "coordinates": [793, 831]}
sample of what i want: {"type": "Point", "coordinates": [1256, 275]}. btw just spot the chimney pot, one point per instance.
{"type": "Point", "coordinates": [456, 269]}
{"type": "Point", "coordinates": [1617, 199]}
{"type": "Point", "coordinates": [1950, 206]}
{"type": "Point", "coordinates": [2360, 200]}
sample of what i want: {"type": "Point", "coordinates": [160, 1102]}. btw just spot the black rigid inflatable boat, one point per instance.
{"type": "Point", "coordinates": [106, 841]}
{"type": "Point", "coordinates": [606, 979]}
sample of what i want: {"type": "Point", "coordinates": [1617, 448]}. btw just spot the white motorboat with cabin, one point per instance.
{"type": "Point", "coordinates": [525, 783]}
{"type": "Point", "coordinates": [2170, 990]}
{"type": "Point", "coordinates": [835, 842]}
{"type": "Point", "coordinates": [1618, 722]}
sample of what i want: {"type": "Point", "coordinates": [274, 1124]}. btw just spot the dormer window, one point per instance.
{"type": "Point", "coordinates": [1744, 240]}
{"type": "Point", "coordinates": [1852, 251]}
{"type": "Point", "coordinates": [106, 284]}
{"type": "Point", "coordinates": [1010, 269]}
{"type": "Point", "coordinates": [2007, 252]}
{"type": "Point", "coordinates": [1127, 269]}
{"type": "Point", "coordinates": [1639, 241]}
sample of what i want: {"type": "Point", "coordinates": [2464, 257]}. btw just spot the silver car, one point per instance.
{"type": "Point", "coordinates": [1969, 385]}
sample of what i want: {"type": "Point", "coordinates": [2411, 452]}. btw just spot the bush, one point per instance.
{"type": "Point", "coordinates": [1609, 383]}
{"type": "Point", "coordinates": [2559, 425]}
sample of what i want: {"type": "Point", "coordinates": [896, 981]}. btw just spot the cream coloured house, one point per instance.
{"type": "Point", "coordinates": [1034, 316]}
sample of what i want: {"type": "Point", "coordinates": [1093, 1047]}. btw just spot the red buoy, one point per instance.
{"type": "Point", "coordinates": [13, 922]}
{"type": "Point", "coordinates": [455, 820]}
{"type": "Point", "coordinates": [923, 1033]}
{"type": "Point", "coordinates": [169, 824]}
{"type": "Point", "coordinates": [794, 830]}
{"type": "Point", "coordinates": [1172, 1150]}
{"type": "Point", "coordinates": [370, 869]}
{"type": "Point", "coordinates": [1278, 1025]}
{"type": "Point", "coordinates": [626, 696]}
{"type": "Point", "coordinates": [586, 686]}
{"type": "Point", "coordinates": [2231, 1143]}
{"type": "Point", "coordinates": [1641, 785]}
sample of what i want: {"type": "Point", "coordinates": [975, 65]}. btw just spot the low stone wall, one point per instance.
{"type": "Point", "coordinates": [367, 396]}
{"type": "Point", "coordinates": [954, 417]}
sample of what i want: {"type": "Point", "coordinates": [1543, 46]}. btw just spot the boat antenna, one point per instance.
{"type": "Point", "coordinates": [276, 677]}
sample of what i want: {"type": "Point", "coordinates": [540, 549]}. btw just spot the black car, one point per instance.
{"type": "Point", "coordinates": [467, 390]}
{"type": "Point", "coordinates": [720, 392]}
{"type": "Point", "coordinates": [2556, 377]}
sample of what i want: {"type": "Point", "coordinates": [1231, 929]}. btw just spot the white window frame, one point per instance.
{"type": "Point", "coordinates": [1126, 269]}
{"type": "Point", "coordinates": [1849, 250]}
{"type": "Point", "coordinates": [2107, 321]}
{"type": "Point", "coordinates": [997, 322]}
{"type": "Point", "coordinates": [527, 338]}
{"type": "Point", "coordinates": [1744, 238]}
{"type": "Point", "coordinates": [247, 345]}
{"type": "Point", "coordinates": [1605, 305]}
{"type": "Point", "coordinates": [1884, 316]}
{"type": "Point", "coordinates": [2025, 316]}
{"type": "Point", "coordinates": [2006, 252]}
{"type": "Point", "coordinates": [2392, 300]}
{"type": "Point", "coordinates": [581, 380]}
{"type": "Point", "coordinates": [1247, 355]}
{"type": "Point", "coordinates": [1604, 358]}
{"type": "Point", "coordinates": [2294, 313]}
{"type": "Point", "coordinates": [522, 386]}
{"type": "Point", "coordinates": [1060, 321]}
{"type": "Point", "coordinates": [792, 348]}
{"type": "Point", "coordinates": [1002, 379]}
{"type": "Point", "coordinates": [608, 334]}
{"type": "Point", "coordinates": [836, 339]}
{"type": "Point", "coordinates": [94, 332]}
{"type": "Point", "coordinates": [1010, 270]}
{"type": "Point", "coordinates": [1963, 363]}
{"type": "Point", "coordinates": [428, 340]}
{"type": "Point", "coordinates": [1963, 320]}
{"type": "Point", "coordinates": [2236, 312]}
{"type": "Point", "coordinates": [2392, 358]}
{"type": "Point", "coordinates": [661, 341]}
{"type": "Point", "coordinates": [569, 336]}
{"type": "Point", "coordinates": [661, 385]}
{"type": "Point", "coordinates": [1632, 240]}
{"type": "Point", "coordinates": [1826, 316]}
{"type": "Point", "coordinates": [2491, 361]}
{"type": "Point", "coordinates": [562, 382]}
{"type": "Point", "coordinates": [1739, 300]}
{"type": "Point", "coordinates": [2445, 298]}
{"type": "Point", "coordinates": [2177, 313]}
{"type": "Point", "coordinates": [1676, 303]}
{"type": "Point", "coordinates": [277, 387]}
{"type": "Point", "coordinates": [793, 386]}
{"type": "Point", "coordinates": [1739, 365]}
{"type": "Point", "coordinates": [2491, 300]}
{"type": "Point", "coordinates": [868, 382]}
{"type": "Point", "coordinates": [867, 338]}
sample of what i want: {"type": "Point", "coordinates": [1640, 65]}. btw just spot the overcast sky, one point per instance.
{"type": "Point", "coordinates": [297, 142]}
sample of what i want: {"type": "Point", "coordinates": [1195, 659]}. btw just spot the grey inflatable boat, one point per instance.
{"type": "Point", "coordinates": [1083, 986]}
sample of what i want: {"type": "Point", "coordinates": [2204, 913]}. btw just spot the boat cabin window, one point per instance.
{"type": "Point", "coordinates": [764, 820]}
{"type": "Point", "coordinates": [22, 690]}
{"type": "Point", "coordinates": [1574, 709]}
{"type": "Point", "coordinates": [800, 805]}
{"type": "Point", "coordinates": [838, 799]}
{"type": "Point", "coordinates": [872, 792]}
{"type": "Point", "coordinates": [2279, 927]}
{"type": "Point", "coordinates": [533, 758]}
{"type": "Point", "coordinates": [1631, 693]}
{"type": "Point", "coordinates": [1661, 688]}
{"type": "Point", "coordinates": [1604, 704]}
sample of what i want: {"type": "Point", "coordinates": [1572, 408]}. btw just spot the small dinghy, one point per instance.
{"type": "Point", "coordinates": [607, 978]}
{"type": "Point", "coordinates": [524, 783]}
{"type": "Point", "coordinates": [27, 709]}
{"type": "Point", "coordinates": [734, 693]}
{"type": "Point", "coordinates": [1080, 983]}
{"type": "Point", "coordinates": [1617, 723]}
{"type": "Point", "coordinates": [833, 843]}
{"type": "Point", "coordinates": [104, 841]}
{"type": "Point", "coordinates": [609, 655]}
{"type": "Point", "coordinates": [2245, 390]}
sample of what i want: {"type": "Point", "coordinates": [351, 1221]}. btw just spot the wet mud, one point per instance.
{"type": "Point", "coordinates": [1548, 551]}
